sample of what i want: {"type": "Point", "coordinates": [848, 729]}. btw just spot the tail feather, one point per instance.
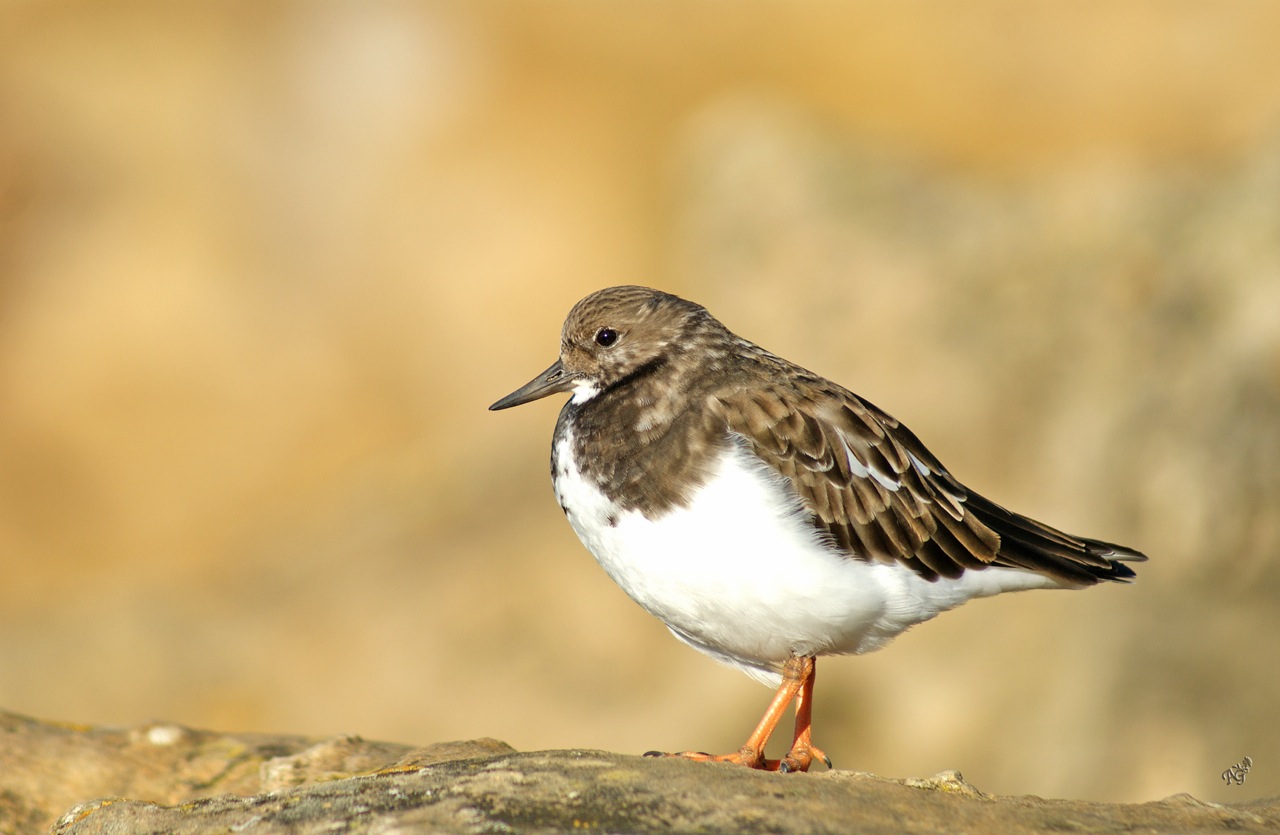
{"type": "Point", "coordinates": [1026, 543]}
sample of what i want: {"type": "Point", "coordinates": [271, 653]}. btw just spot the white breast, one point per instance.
{"type": "Point", "coordinates": [741, 575]}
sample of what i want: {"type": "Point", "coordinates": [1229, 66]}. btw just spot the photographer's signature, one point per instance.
{"type": "Point", "coordinates": [1236, 773]}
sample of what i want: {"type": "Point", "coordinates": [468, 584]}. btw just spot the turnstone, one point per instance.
{"type": "Point", "coordinates": [766, 515]}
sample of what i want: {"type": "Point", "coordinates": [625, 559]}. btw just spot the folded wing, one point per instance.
{"type": "Point", "coordinates": [880, 495]}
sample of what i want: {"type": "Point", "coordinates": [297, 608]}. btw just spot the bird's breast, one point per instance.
{"type": "Point", "coordinates": [737, 570]}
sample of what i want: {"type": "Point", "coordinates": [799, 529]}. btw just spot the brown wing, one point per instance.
{"type": "Point", "coordinates": [882, 496]}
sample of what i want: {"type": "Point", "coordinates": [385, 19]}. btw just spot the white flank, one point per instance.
{"type": "Point", "coordinates": [740, 574]}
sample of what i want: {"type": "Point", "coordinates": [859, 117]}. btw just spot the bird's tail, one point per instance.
{"type": "Point", "coordinates": [1026, 543]}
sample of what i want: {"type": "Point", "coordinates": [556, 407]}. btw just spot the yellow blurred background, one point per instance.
{"type": "Point", "coordinates": [263, 265]}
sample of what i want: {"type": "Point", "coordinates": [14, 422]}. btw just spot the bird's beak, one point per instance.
{"type": "Point", "coordinates": [554, 379]}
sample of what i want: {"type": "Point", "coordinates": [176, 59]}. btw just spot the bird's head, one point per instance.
{"type": "Point", "coordinates": [609, 337]}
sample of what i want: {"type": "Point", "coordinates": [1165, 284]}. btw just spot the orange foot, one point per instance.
{"type": "Point", "coordinates": [797, 683]}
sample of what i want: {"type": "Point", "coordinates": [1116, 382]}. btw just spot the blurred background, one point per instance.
{"type": "Point", "coordinates": [263, 265]}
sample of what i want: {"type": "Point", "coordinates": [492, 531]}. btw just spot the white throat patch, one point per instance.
{"type": "Point", "coordinates": [584, 391]}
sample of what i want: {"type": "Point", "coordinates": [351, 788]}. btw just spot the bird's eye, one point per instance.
{"type": "Point", "coordinates": [606, 337]}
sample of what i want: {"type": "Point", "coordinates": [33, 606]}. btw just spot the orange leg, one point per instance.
{"type": "Point", "coordinates": [803, 750]}
{"type": "Point", "coordinates": [797, 684]}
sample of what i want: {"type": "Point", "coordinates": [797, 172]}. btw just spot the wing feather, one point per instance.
{"type": "Point", "coordinates": [879, 495]}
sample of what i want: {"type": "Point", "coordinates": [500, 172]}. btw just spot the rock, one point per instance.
{"type": "Point", "coordinates": [46, 767]}
{"type": "Point", "coordinates": [166, 778]}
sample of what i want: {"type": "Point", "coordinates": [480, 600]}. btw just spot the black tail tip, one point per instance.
{"type": "Point", "coordinates": [1117, 556]}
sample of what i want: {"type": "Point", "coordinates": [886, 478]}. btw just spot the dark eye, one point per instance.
{"type": "Point", "coordinates": [606, 337]}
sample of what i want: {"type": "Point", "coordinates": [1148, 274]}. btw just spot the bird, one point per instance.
{"type": "Point", "coordinates": [766, 515]}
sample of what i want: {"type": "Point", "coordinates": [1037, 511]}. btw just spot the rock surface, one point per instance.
{"type": "Point", "coordinates": [167, 778]}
